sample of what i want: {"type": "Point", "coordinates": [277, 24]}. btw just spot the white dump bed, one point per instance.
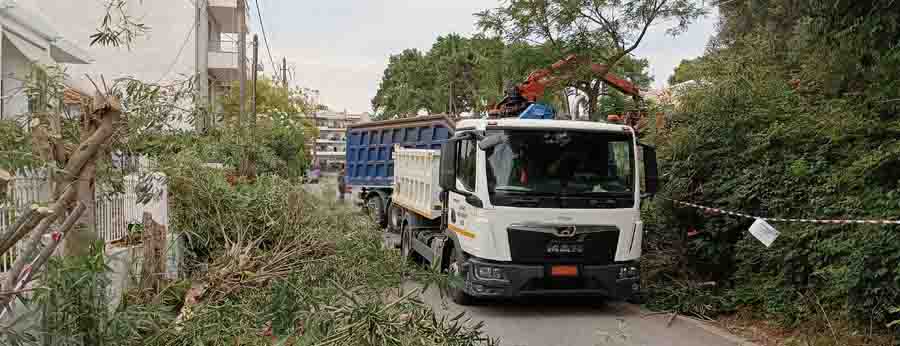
{"type": "Point", "coordinates": [416, 186]}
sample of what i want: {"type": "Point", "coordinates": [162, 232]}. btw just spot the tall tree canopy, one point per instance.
{"type": "Point", "coordinates": [606, 31]}
{"type": "Point", "coordinates": [467, 75]}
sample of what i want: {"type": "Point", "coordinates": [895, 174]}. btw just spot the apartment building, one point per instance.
{"type": "Point", "coordinates": [219, 58]}
{"type": "Point", "coordinates": [329, 149]}
{"type": "Point", "coordinates": [27, 38]}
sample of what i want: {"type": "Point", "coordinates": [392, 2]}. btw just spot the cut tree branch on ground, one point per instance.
{"type": "Point", "coordinates": [14, 227]}
{"type": "Point", "coordinates": [59, 208]}
{"type": "Point", "coordinates": [18, 284]}
{"type": "Point", "coordinates": [25, 223]}
{"type": "Point", "coordinates": [671, 319]}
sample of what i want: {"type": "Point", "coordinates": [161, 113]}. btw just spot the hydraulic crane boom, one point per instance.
{"type": "Point", "coordinates": [520, 96]}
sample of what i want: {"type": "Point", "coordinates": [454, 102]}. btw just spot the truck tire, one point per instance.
{"type": "Point", "coordinates": [457, 281]}
{"type": "Point", "coordinates": [375, 208]}
{"type": "Point", "coordinates": [406, 249]}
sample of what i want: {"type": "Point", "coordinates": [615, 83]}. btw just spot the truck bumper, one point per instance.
{"type": "Point", "coordinates": [521, 280]}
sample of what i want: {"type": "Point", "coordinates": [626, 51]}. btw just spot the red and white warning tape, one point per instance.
{"type": "Point", "coordinates": [775, 219]}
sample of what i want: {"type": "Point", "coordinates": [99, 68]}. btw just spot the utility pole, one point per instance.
{"type": "Point", "coordinates": [201, 64]}
{"type": "Point", "coordinates": [284, 73]}
{"type": "Point", "coordinates": [253, 86]}
{"type": "Point", "coordinates": [242, 59]}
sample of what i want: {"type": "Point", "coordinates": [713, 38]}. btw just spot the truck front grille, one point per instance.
{"type": "Point", "coordinates": [541, 244]}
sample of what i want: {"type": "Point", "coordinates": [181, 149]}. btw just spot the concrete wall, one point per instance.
{"type": "Point", "coordinates": [152, 56]}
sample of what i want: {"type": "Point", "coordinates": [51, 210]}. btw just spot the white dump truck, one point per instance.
{"type": "Point", "coordinates": [520, 207]}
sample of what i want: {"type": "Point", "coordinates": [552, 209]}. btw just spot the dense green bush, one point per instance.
{"type": "Point", "coordinates": [800, 121]}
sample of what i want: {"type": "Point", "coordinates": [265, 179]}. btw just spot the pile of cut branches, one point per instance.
{"type": "Point", "coordinates": [282, 265]}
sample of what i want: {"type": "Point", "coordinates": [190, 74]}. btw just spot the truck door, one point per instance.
{"type": "Point", "coordinates": [462, 201]}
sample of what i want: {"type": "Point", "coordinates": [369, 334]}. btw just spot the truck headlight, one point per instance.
{"type": "Point", "coordinates": [489, 273]}
{"type": "Point", "coordinates": [628, 272]}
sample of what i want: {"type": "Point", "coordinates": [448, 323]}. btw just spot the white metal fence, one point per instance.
{"type": "Point", "coordinates": [114, 211]}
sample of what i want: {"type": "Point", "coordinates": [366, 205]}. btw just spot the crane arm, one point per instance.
{"type": "Point", "coordinates": [533, 87]}
{"type": "Point", "coordinates": [537, 81]}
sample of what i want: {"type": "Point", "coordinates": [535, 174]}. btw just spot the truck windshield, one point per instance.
{"type": "Point", "coordinates": [560, 163]}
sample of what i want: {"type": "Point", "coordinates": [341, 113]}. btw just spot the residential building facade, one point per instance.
{"type": "Point", "coordinates": [27, 39]}
{"type": "Point", "coordinates": [218, 55]}
{"type": "Point", "coordinates": [329, 150]}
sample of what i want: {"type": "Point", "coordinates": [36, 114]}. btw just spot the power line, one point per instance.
{"type": "Point", "coordinates": [265, 39]}
{"type": "Point", "coordinates": [180, 50]}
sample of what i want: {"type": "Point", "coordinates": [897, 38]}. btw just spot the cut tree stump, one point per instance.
{"type": "Point", "coordinates": [154, 259]}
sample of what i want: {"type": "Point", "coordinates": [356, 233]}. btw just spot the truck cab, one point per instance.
{"type": "Point", "coordinates": [544, 207]}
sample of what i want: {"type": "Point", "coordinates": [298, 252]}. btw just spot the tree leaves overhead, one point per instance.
{"type": "Point", "coordinates": [605, 31]}
{"type": "Point", "coordinates": [618, 25]}
{"type": "Point", "coordinates": [475, 72]}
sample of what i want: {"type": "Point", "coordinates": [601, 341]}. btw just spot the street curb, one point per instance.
{"type": "Point", "coordinates": [737, 340]}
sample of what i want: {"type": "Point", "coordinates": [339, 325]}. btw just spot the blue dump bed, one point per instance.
{"type": "Point", "coordinates": [370, 146]}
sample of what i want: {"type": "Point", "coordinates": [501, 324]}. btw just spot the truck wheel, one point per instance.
{"type": "Point", "coordinates": [375, 208]}
{"type": "Point", "coordinates": [406, 250]}
{"type": "Point", "coordinates": [457, 280]}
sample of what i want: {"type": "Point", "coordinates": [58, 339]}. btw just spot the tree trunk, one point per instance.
{"type": "Point", "coordinates": [84, 233]}
{"type": "Point", "coordinates": [592, 96]}
{"type": "Point", "coordinates": [97, 126]}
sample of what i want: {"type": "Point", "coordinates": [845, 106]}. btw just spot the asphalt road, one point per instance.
{"type": "Point", "coordinates": [575, 321]}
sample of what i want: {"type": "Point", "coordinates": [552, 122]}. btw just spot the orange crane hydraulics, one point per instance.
{"type": "Point", "coordinates": [520, 96]}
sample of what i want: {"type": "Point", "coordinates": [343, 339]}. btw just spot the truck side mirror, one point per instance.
{"type": "Point", "coordinates": [651, 171]}
{"type": "Point", "coordinates": [448, 165]}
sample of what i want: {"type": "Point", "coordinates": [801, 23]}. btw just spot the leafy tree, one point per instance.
{"type": "Point", "coordinates": [280, 124]}
{"type": "Point", "coordinates": [404, 86]}
{"type": "Point", "coordinates": [605, 31]}
{"type": "Point", "coordinates": [797, 117]}
{"type": "Point", "coordinates": [686, 70]}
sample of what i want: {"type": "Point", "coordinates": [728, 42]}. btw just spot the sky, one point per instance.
{"type": "Point", "coordinates": [339, 47]}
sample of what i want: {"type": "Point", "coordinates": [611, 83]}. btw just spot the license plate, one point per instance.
{"type": "Point", "coordinates": [564, 271]}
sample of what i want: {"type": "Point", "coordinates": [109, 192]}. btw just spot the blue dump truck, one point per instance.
{"type": "Point", "coordinates": [369, 172]}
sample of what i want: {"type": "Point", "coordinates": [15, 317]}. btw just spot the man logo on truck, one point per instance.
{"type": "Point", "coordinates": [567, 231]}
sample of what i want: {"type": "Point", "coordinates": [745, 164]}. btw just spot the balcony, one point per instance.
{"type": "Point", "coordinates": [331, 154]}
{"type": "Point", "coordinates": [225, 14]}
{"type": "Point", "coordinates": [223, 60]}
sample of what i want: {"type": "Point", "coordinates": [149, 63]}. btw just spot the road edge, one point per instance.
{"type": "Point", "coordinates": [740, 341]}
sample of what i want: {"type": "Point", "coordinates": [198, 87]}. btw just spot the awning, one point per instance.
{"type": "Point", "coordinates": [65, 52]}
{"type": "Point", "coordinates": [31, 52]}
